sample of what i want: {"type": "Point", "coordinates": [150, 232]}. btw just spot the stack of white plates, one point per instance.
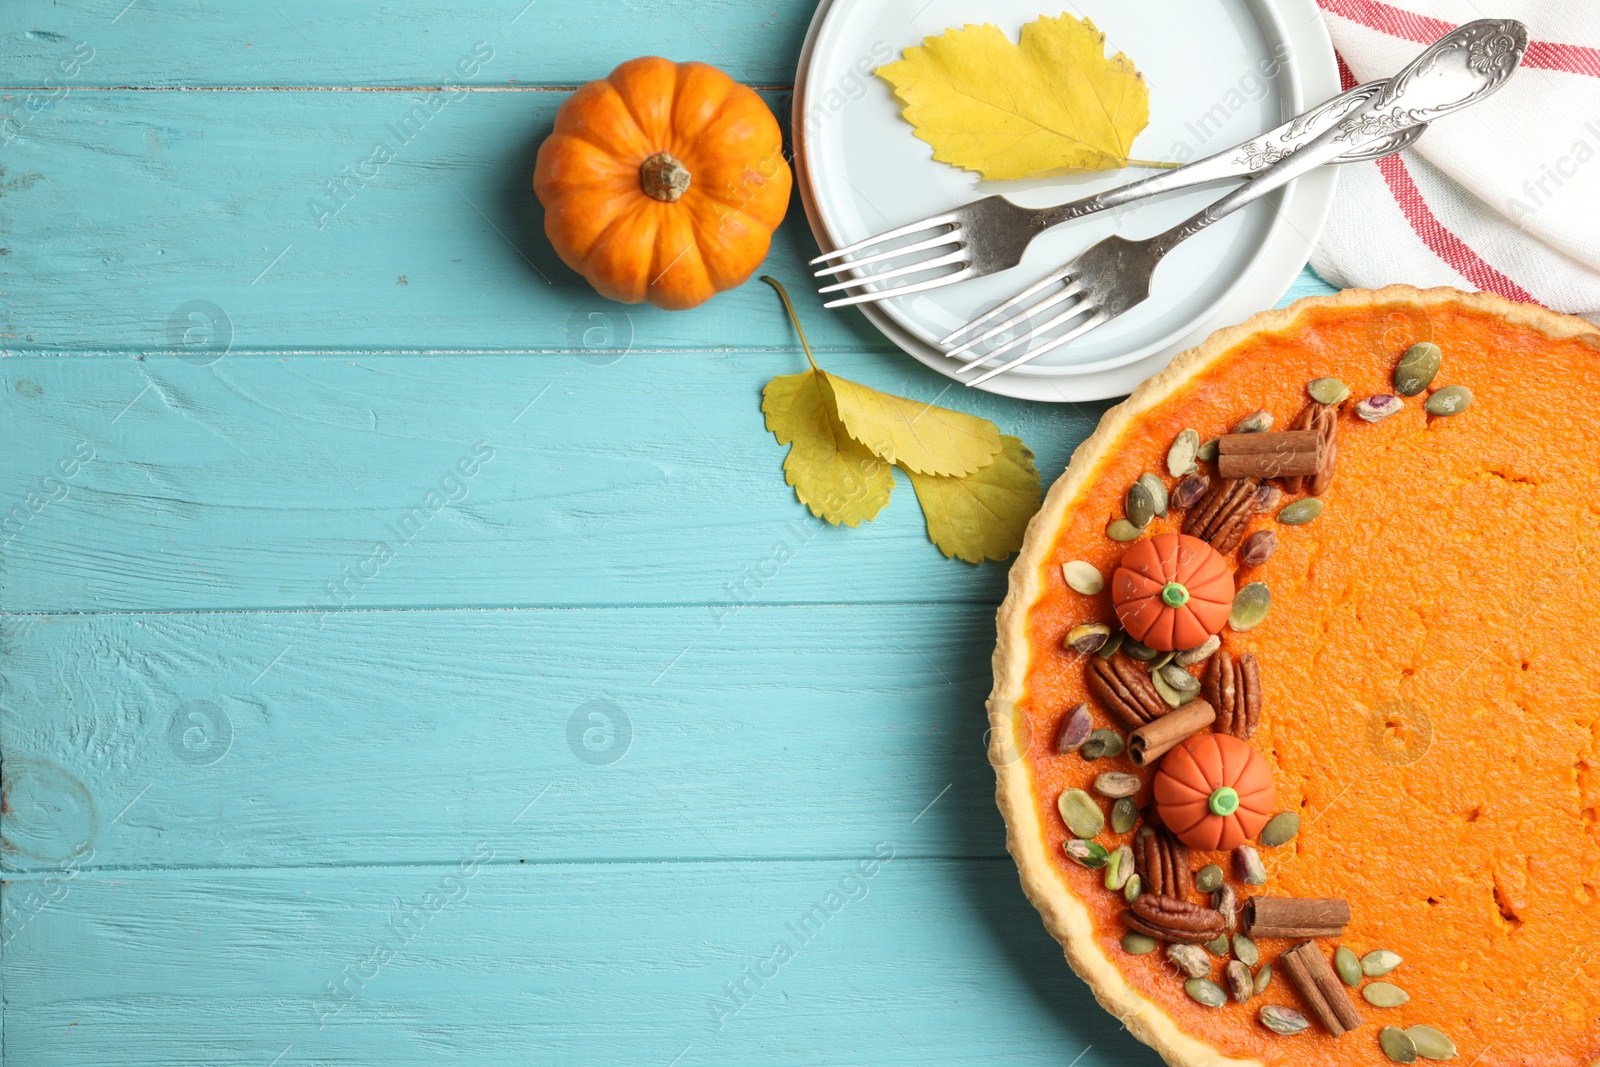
{"type": "Point", "coordinates": [1219, 71]}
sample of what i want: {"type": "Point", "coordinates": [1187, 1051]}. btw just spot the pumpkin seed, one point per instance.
{"type": "Point", "coordinates": [1083, 577]}
{"type": "Point", "coordinates": [1088, 853]}
{"type": "Point", "coordinates": [1188, 492]}
{"type": "Point", "coordinates": [1161, 661]}
{"type": "Point", "coordinates": [1138, 944]}
{"type": "Point", "coordinates": [1263, 978]}
{"type": "Point", "coordinates": [1328, 390]}
{"type": "Point", "coordinates": [1258, 548]}
{"type": "Point", "coordinates": [1247, 866]}
{"type": "Point", "coordinates": [1119, 868]}
{"type": "Point", "coordinates": [1081, 812]}
{"type": "Point", "coordinates": [1218, 946]}
{"type": "Point", "coordinates": [1347, 966]}
{"type": "Point", "coordinates": [1384, 994]}
{"type": "Point", "coordinates": [1255, 422]}
{"type": "Point", "coordinates": [1281, 1020]}
{"type": "Point", "coordinates": [1451, 400]}
{"type": "Point", "coordinates": [1140, 505]}
{"type": "Point", "coordinates": [1208, 879]}
{"type": "Point", "coordinates": [1181, 456]}
{"type": "Point", "coordinates": [1181, 680]}
{"type": "Point", "coordinates": [1141, 652]}
{"type": "Point", "coordinates": [1117, 784]}
{"type": "Point", "coordinates": [1102, 743]}
{"type": "Point", "coordinates": [1199, 653]}
{"type": "Point", "coordinates": [1074, 729]}
{"type": "Point", "coordinates": [1380, 407]}
{"type": "Point", "coordinates": [1397, 1045]}
{"type": "Point", "coordinates": [1208, 451]}
{"type": "Point", "coordinates": [1166, 691]}
{"type": "Point", "coordinates": [1113, 643]}
{"type": "Point", "coordinates": [1190, 959]}
{"type": "Point", "coordinates": [1131, 888]}
{"type": "Point", "coordinates": [1087, 638]}
{"type": "Point", "coordinates": [1379, 962]}
{"type": "Point", "coordinates": [1430, 1043]}
{"type": "Point", "coordinates": [1300, 512]}
{"type": "Point", "coordinates": [1245, 951]}
{"type": "Point", "coordinates": [1416, 368]}
{"type": "Point", "coordinates": [1241, 983]}
{"type": "Point", "coordinates": [1250, 606]}
{"type": "Point", "coordinates": [1280, 829]}
{"type": "Point", "coordinates": [1205, 991]}
{"type": "Point", "coordinates": [1123, 530]}
{"type": "Point", "coordinates": [1124, 813]}
{"type": "Point", "coordinates": [1157, 490]}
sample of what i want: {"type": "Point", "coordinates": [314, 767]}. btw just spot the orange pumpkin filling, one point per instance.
{"type": "Point", "coordinates": [1430, 680]}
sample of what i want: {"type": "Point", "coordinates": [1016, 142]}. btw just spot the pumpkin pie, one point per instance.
{"type": "Point", "coordinates": [1296, 713]}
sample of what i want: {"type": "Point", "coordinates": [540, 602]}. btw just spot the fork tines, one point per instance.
{"type": "Point", "coordinates": [877, 251]}
{"type": "Point", "coordinates": [1071, 293]}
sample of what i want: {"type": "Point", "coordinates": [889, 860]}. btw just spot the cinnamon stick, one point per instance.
{"type": "Point", "coordinates": [1320, 988]}
{"type": "Point", "coordinates": [1272, 454]}
{"type": "Point", "coordinates": [1154, 739]}
{"type": "Point", "coordinates": [1296, 917]}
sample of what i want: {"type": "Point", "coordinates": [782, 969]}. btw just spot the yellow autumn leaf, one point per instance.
{"type": "Point", "coordinates": [1053, 103]}
{"type": "Point", "coordinates": [982, 516]}
{"type": "Point", "coordinates": [913, 434]}
{"type": "Point", "coordinates": [832, 473]}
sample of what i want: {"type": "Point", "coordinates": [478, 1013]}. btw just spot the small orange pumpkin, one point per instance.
{"type": "Point", "coordinates": [1215, 792]}
{"type": "Point", "coordinates": [663, 182]}
{"type": "Point", "coordinates": [1172, 591]}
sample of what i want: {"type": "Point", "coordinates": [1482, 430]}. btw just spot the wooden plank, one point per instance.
{"type": "Point", "coordinates": [284, 216]}
{"type": "Point", "coordinates": [247, 740]}
{"type": "Point", "coordinates": [267, 221]}
{"type": "Point", "coordinates": [918, 962]}
{"type": "Point", "coordinates": [368, 43]}
{"type": "Point", "coordinates": [255, 482]}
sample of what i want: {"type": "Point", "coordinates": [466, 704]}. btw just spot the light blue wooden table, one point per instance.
{"type": "Point", "coordinates": [411, 658]}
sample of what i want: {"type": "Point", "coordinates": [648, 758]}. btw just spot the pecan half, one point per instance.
{"type": "Point", "coordinates": [1233, 688]}
{"type": "Point", "coordinates": [1163, 862]}
{"type": "Point", "coordinates": [1324, 418]}
{"type": "Point", "coordinates": [1223, 513]}
{"type": "Point", "coordinates": [1126, 691]}
{"type": "Point", "coordinates": [1170, 919]}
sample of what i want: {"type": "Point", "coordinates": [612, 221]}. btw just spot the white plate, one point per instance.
{"type": "Point", "coordinates": [862, 170]}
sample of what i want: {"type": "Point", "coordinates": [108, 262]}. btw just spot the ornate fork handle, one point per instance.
{"type": "Point", "coordinates": [1243, 160]}
{"type": "Point", "coordinates": [1461, 68]}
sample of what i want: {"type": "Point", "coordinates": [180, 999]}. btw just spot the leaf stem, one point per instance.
{"type": "Point", "coordinates": [1155, 163]}
{"type": "Point", "coordinates": [788, 306]}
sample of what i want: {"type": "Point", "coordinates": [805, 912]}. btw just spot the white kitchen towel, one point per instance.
{"type": "Point", "coordinates": [1504, 197]}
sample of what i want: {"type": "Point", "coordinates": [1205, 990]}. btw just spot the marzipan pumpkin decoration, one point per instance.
{"type": "Point", "coordinates": [1215, 792]}
{"type": "Point", "coordinates": [1172, 592]}
{"type": "Point", "coordinates": [663, 182]}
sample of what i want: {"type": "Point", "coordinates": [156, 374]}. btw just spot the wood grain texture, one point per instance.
{"type": "Point", "coordinates": [275, 667]}
{"type": "Point", "coordinates": [248, 740]}
{"type": "Point", "coordinates": [257, 482]}
{"type": "Point", "coordinates": [309, 43]}
{"type": "Point", "coordinates": [923, 962]}
{"type": "Point", "coordinates": [286, 211]}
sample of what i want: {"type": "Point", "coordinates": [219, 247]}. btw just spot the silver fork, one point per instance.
{"type": "Point", "coordinates": [1456, 71]}
{"type": "Point", "coordinates": [991, 234]}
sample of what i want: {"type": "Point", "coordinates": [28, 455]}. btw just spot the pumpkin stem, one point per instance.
{"type": "Point", "coordinates": [1224, 801]}
{"type": "Point", "coordinates": [1174, 595]}
{"type": "Point", "coordinates": [663, 178]}
{"type": "Point", "coordinates": [789, 307]}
